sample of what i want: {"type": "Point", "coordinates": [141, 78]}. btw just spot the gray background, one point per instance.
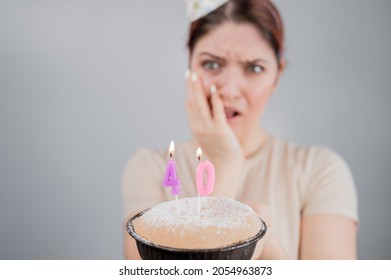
{"type": "Point", "coordinates": [83, 84]}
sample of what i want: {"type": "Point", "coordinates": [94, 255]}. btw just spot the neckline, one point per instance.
{"type": "Point", "coordinates": [261, 150]}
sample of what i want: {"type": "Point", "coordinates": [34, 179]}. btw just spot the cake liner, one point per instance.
{"type": "Point", "coordinates": [242, 250]}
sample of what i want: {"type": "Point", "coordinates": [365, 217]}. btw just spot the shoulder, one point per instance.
{"type": "Point", "coordinates": [305, 156]}
{"type": "Point", "coordinates": [144, 155]}
{"type": "Point", "coordinates": [325, 181]}
{"type": "Point", "coordinates": [143, 163]}
{"type": "Point", "coordinates": [320, 161]}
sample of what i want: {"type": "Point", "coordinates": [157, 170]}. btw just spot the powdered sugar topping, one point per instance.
{"type": "Point", "coordinates": [217, 212]}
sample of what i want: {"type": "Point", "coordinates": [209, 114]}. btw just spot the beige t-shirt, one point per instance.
{"type": "Point", "coordinates": [293, 180]}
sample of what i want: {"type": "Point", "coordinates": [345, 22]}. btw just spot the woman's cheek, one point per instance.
{"type": "Point", "coordinates": [259, 99]}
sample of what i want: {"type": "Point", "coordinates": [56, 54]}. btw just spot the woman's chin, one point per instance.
{"type": "Point", "coordinates": [235, 121]}
{"type": "Point", "coordinates": [242, 128]}
{"type": "Point", "coordinates": [237, 128]}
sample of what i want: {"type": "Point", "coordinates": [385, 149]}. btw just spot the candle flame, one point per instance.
{"type": "Point", "coordinates": [199, 153]}
{"type": "Point", "coordinates": [171, 149]}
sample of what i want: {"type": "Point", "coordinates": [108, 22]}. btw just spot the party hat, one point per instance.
{"type": "Point", "coordinates": [196, 9]}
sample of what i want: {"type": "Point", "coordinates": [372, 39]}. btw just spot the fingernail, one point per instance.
{"type": "Point", "coordinates": [213, 89]}
{"type": "Point", "coordinates": [194, 77]}
{"type": "Point", "coordinates": [187, 74]}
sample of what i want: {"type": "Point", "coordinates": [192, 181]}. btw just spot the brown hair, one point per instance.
{"type": "Point", "coordinates": [261, 13]}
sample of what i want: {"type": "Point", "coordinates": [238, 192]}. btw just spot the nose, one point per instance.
{"type": "Point", "coordinates": [230, 84]}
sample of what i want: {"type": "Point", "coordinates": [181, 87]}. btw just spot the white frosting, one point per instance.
{"type": "Point", "coordinates": [222, 222]}
{"type": "Point", "coordinates": [218, 212]}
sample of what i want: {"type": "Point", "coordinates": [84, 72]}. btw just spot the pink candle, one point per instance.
{"type": "Point", "coordinates": [170, 178]}
{"type": "Point", "coordinates": [205, 166]}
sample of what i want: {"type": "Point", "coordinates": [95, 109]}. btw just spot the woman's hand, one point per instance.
{"type": "Point", "coordinates": [208, 121]}
{"type": "Point", "coordinates": [269, 247]}
{"type": "Point", "coordinates": [213, 134]}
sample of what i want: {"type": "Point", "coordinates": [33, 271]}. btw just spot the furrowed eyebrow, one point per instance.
{"type": "Point", "coordinates": [247, 62]}
{"type": "Point", "coordinates": [255, 61]}
{"type": "Point", "coordinates": [212, 55]}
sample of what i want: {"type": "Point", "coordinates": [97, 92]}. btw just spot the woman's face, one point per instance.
{"type": "Point", "coordinates": [244, 68]}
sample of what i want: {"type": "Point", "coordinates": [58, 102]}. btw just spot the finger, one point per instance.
{"type": "Point", "coordinates": [187, 74]}
{"type": "Point", "coordinates": [218, 111]}
{"type": "Point", "coordinates": [263, 211]}
{"type": "Point", "coordinates": [196, 123]}
{"type": "Point", "coordinates": [258, 250]}
{"type": "Point", "coordinates": [199, 99]}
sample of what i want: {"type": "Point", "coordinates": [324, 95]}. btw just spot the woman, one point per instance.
{"type": "Point", "coordinates": [306, 194]}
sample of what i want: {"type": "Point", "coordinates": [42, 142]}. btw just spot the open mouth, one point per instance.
{"type": "Point", "coordinates": [231, 113]}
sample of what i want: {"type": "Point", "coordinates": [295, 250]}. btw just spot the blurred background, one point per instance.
{"type": "Point", "coordinates": [84, 84]}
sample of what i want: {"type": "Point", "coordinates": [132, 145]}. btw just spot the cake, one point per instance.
{"type": "Point", "coordinates": [220, 223]}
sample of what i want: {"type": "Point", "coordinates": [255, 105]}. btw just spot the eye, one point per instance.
{"type": "Point", "coordinates": [254, 68]}
{"type": "Point", "coordinates": [211, 65]}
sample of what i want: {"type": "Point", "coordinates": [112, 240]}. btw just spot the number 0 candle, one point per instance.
{"type": "Point", "coordinates": [206, 166]}
{"type": "Point", "coordinates": [207, 187]}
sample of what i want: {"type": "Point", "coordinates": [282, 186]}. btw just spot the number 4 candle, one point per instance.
{"type": "Point", "coordinates": [170, 178]}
